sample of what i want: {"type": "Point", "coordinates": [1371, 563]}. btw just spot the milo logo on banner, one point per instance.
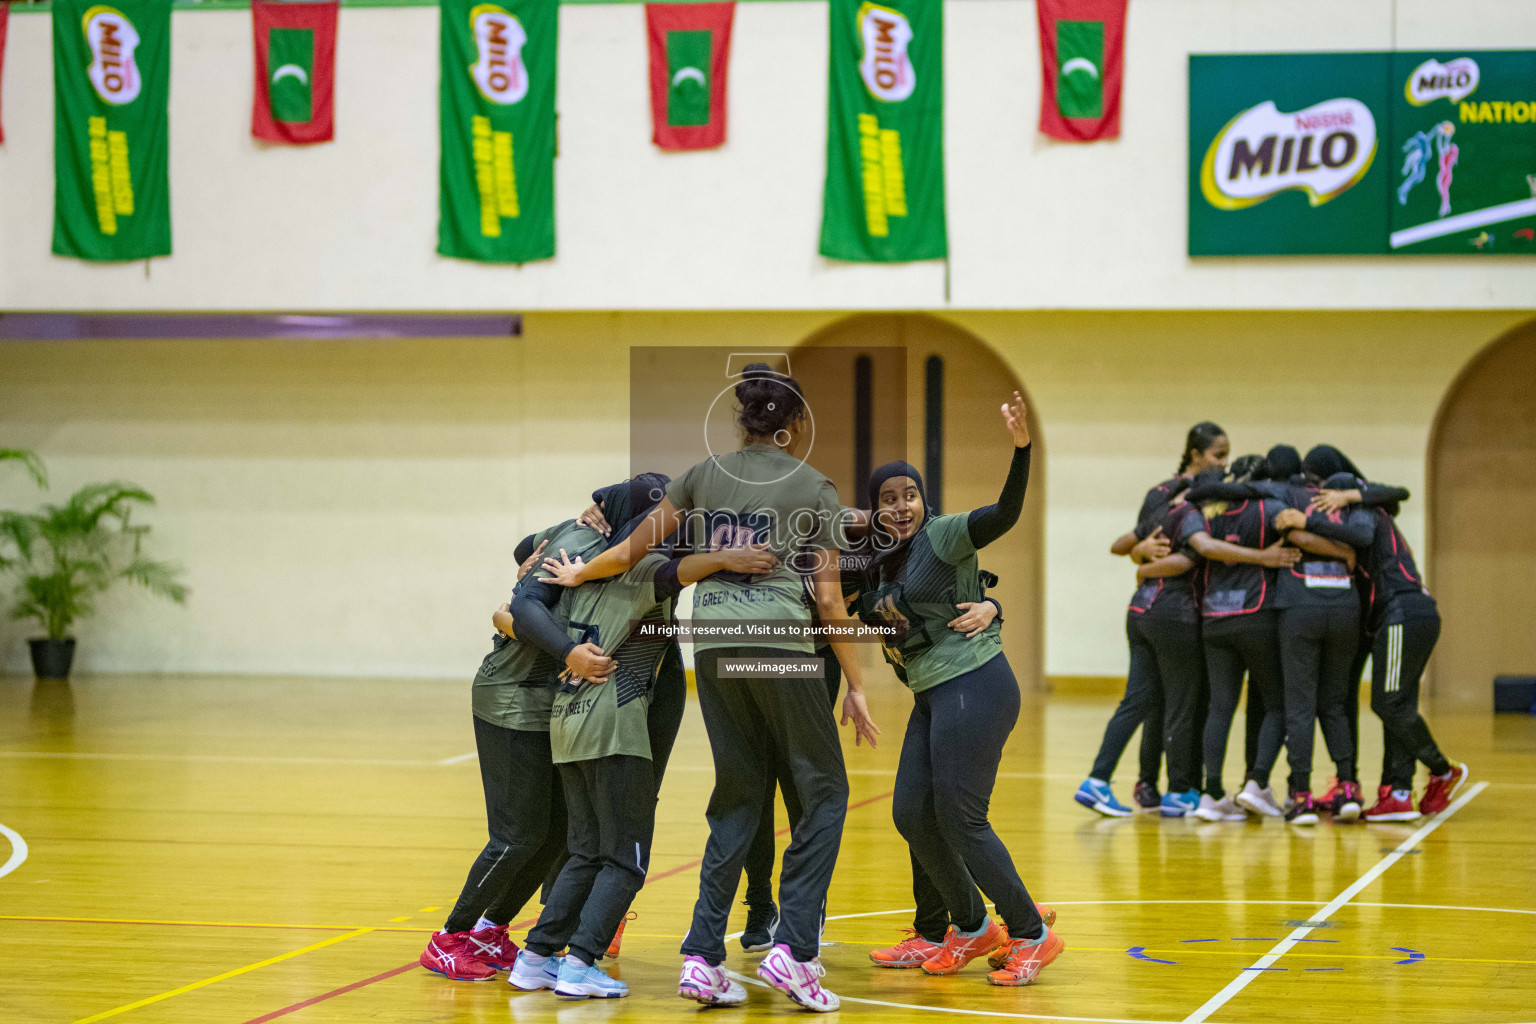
{"type": "Point", "coordinates": [886, 67]}
{"type": "Point", "coordinates": [112, 39]}
{"type": "Point", "coordinates": [499, 72]}
{"type": "Point", "coordinates": [1454, 80]}
{"type": "Point", "coordinates": [1322, 151]}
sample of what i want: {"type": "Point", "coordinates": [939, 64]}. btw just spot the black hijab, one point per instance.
{"type": "Point", "coordinates": [1324, 460]}
{"type": "Point", "coordinates": [1284, 462]}
{"type": "Point", "coordinates": [627, 502]}
{"type": "Point", "coordinates": [893, 559]}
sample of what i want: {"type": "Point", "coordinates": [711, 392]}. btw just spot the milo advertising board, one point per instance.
{"type": "Point", "coordinates": [1362, 153]}
{"type": "Point", "coordinates": [1464, 152]}
{"type": "Point", "coordinates": [1286, 154]}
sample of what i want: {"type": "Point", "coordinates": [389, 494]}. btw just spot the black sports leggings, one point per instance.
{"type": "Point", "coordinates": [1141, 706]}
{"type": "Point", "coordinates": [944, 783]}
{"type": "Point", "coordinates": [525, 812]}
{"type": "Point", "coordinates": [1317, 650]}
{"type": "Point", "coordinates": [1232, 646]}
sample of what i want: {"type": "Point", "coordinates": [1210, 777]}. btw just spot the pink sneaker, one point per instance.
{"type": "Point", "coordinates": [446, 954]}
{"type": "Point", "coordinates": [708, 985]}
{"type": "Point", "coordinates": [493, 947]}
{"type": "Point", "coordinates": [801, 981]}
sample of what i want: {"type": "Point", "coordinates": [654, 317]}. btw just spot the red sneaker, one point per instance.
{"type": "Point", "coordinates": [1328, 796]}
{"type": "Point", "coordinates": [492, 946]}
{"type": "Point", "coordinates": [618, 936]}
{"type": "Point", "coordinates": [909, 952]}
{"type": "Point", "coordinates": [447, 953]}
{"type": "Point", "coordinates": [1392, 805]}
{"type": "Point", "coordinates": [1026, 959]}
{"type": "Point", "coordinates": [959, 950]}
{"type": "Point", "coordinates": [1442, 789]}
{"type": "Point", "coordinates": [1345, 803]}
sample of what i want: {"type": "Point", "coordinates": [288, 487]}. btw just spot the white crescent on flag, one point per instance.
{"type": "Point", "coordinates": [693, 73]}
{"type": "Point", "coordinates": [1079, 64]}
{"type": "Point", "coordinates": [290, 70]}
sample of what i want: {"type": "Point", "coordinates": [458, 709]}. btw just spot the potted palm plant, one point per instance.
{"type": "Point", "coordinates": [62, 557]}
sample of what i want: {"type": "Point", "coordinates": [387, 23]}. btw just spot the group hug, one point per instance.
{"type": "Point", "coordinates": [1291, 572]}
{"type": "Point", "coordinates": [578, 704]}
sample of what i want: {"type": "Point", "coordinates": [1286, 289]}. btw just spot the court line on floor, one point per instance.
{"type": "Point", "coordinates": [1247, 975]}
{"type": "Point", "coordinates": [221, 977]}
{"type": "Point", "coordinates": [55, 755]}
{"type": "Point", "coordinates": [969, 1013]}
{"type": "Point", "coordinates": [333, 993]}
{"type": "Point", "coordinates": [203, 924]}
{"type": "Point", "coordinates": [18, 851]}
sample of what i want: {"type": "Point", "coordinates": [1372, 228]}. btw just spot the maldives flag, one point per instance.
{"type": "Point", "coordinates": [690, 54]}
{"type": "Point", "coordinates": [5, 10]}
{"type": "Point", "coordinates": [295, 71]}
{"type": "Point", "coordinates": [1082, 60]}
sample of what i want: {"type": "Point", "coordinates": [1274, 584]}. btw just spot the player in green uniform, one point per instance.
{"type": "Point", "coordinates": [599, 737]}
{"type": "Point", "coordinates": [761, 494]}
{"type": "Point", "coordinates": [966, 704]}
{"type": "Point", "coordinates": [511, 700]}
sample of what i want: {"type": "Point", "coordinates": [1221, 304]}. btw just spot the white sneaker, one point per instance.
{"type": "Point", "coordinates": [1218, 810]}
{"type": "Point", "coordinates": [800, 981]}
{"type": "Point", "coordinates": [1259, 801]}
{"type": "Point", "coordinates": [708, 985]}
{"type": "Point", "coordinates": [531, 972]}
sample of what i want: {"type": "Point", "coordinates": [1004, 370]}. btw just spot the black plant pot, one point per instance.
{"type": "Point", "coordinates": [51, 658]}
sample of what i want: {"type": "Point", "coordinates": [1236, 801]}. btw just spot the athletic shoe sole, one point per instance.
{"type": "Point", "coordinates": [457, 977]}
{"type": "Point", "coordinates": [1304, 819]}
{"type": "Point", "coordinates": [1101, 807]}
{"type": "Point", "coordinates": [758, 947]}
{"type": "Point", "coordinates": [789, 990]}
{"type": "Point", "coordinates": [893, 965]}
{"type": "Point", "coordinates": [522, 986]}
{"type": "Point", "coordinates": [1395, 816]}
{"type": "Point", "coordinates": [588, 992]}
{"type": "Point", "coordinates": [704, 998]}
{"type": "Point", "coordinates": [1349, 812]}
{"type": "Point", "coordinates": [1257, 806]}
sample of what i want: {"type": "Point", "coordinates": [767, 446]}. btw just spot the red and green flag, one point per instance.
{"type": "Point", "coordinates": [690, 54]}
{"type": "Point", "coordinates": [496, 181]}
{"type": "Point", "coordinates": [111, 86]}
{"type": "Point", "coordinates": [884, 198]}
{"type": "Point", "coordinates": [295, 71]}
{"type": "Point", "coordinates": [1082, 63]}
{"type": "Point", "coordinates": [5, 10]}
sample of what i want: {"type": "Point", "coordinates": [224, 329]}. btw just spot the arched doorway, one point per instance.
{"type": "Point", "coordinates": [1482, 537]}
{"type": "Point", "coordinates": [951, 384]}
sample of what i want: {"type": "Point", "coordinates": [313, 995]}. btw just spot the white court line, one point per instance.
{"type": "Point", "coordinates": [216, 758]}
{"type": "Point", "coordinates": [1240, 982]}
{"type": "Point", "coordinates": [458, 758]}
{"type": "Point", "coordinates": [968, 1013]}
{"type": "Point", "coordinates": [18, 851]}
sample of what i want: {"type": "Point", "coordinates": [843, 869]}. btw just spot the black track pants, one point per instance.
{"type": "Point", "coordinates": [525, 813]}
{"type": "Point", "coordinates": [1181, 667]}
{"type": "Point", "coordinates": [665, 715]}
{"type": "Point", "coordinates": [1242, 643]}
{"type": "Point", "coordinates": [944, 783]}
{"type": "Point", "coordinates": [748, 720]}
{"type": "Point", "coordinates": [759, 865]}
{"type": "Point", "coordinates": [1317, 650]}
{"type": "Point", "coordinates": [1142, 706]}
{"type": "Point", "coordinates": [611, 802]}
{"type": "Point", "coordinates": [1397, 662]}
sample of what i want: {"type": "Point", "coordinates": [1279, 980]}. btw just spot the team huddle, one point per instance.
{"type": "Point", "coordinates": [1292, 571]}
{"type": "Point", "coordinates": [578, 704]}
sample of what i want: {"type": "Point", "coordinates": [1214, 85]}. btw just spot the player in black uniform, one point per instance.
{"type": "Point", "coordinates": [1405, 624]}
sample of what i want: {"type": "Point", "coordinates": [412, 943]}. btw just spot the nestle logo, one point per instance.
{"type": "Point", "coordinates": [1327, 120]}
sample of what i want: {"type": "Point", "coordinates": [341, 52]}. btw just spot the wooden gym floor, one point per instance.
{"type": "Point", "coordinates": [242, 850]}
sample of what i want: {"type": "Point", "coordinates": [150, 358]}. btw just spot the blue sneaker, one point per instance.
{"type": "Point", "coordinates": [587, 981]}
{"type": "Point", "coordinates": [1177, 805]}
{"type": "Point", "coordinates": [531, 972]}
{"type": "Point", "coordinates": [1097, 796]}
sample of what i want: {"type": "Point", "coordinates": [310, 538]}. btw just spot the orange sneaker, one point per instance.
{"type": "Point", "coordinates": [1026, 959]}
{"type": "Point", "coordinates": [909, 952]}
{"type": "Point", "coordinates": [959, 950]}
{"type": "Point", "coordinates": [618, 936]}
{"type": "Point", "coordinates": [1000, 954]}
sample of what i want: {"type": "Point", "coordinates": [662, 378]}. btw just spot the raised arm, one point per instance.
{"type": "Point", "coordinates": [987, 524]}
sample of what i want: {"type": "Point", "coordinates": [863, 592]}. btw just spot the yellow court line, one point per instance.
{"type": "Point", "coordinates": [207, 924]}
{"type": "Point", "coordinates": [220, 977]}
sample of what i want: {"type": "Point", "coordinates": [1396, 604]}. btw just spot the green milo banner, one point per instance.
{"type": "Point", "coordinates": [884, 199]}
{"type": "Point", "coordinates": [1362, 153]}
{"type": "Point", "coordinates": [497, 176]}
{"type": "Point", "coordinates": [111, 82]}
{"type": "Point", "coordinates": [1464, 152]}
